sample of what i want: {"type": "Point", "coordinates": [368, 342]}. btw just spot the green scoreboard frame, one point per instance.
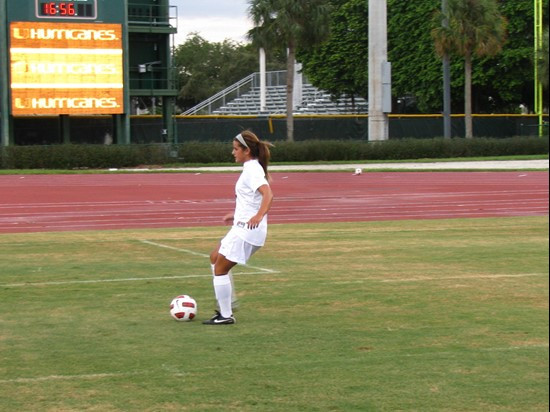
{"type": "Point", "coordinates": [64, 57]}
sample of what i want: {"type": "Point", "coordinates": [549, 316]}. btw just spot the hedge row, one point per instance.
{"type": "Point", "coordinates": [81, 156]}
{"type": "Point", "coordinates": [120, 156]}
{"type": "Point", "coordinates": [407, 149]}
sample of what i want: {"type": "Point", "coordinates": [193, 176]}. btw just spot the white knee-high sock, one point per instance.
{"type": "Point", "coordinates": [222, 287]}
{"type": "Point", "coordinates": [230, 273]}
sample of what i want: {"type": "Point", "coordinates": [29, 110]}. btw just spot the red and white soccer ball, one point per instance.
{"type": "Point", "coordinates": [183, 308]}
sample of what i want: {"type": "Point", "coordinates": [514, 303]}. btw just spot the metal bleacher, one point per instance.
{"type": "Point", "coordinates": [243, 98]}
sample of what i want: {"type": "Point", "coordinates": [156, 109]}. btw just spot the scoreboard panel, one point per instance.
{"type": "Point", "coordinates": [66, 68]}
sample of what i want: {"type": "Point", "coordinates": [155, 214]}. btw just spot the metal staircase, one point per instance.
{"type": "Point", "coordinates": [243, 98]}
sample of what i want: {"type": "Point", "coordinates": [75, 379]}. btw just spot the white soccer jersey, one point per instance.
{"type": "Point", "coordinates": [248, 202]}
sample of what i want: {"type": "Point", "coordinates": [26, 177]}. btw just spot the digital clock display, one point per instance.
{"type": "Point", "coordinates": [72, 9]}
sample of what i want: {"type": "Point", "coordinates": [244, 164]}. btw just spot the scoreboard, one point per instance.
{"type": "Point", "coordinates": [86, 9]}
{"type": "Point", "coordinates": [66, 68]}
{"type": "Point", "coordinates": [65, 58]}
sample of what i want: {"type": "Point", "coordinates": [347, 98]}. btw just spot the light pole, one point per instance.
{"type": "Point", "coordinates": [379, 71]}
{"type": "Point", "coordinates": [446, 81]}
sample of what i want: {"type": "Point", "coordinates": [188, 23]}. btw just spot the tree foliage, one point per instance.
{"type": "Point", "coordinates": [542, 60]}
{"type": "Point", "coordinates": [205, 68]}
{"type": "Point", "coordinates": [338, 65]}
{"type": "Point", "coordinates": [503, 82]}
{"type": "Point", "coordinates": [474, 28]}
{"type": "Point", "coordinates": [291, 24]}
{"type": "Point", "coordinates": [500, 83]}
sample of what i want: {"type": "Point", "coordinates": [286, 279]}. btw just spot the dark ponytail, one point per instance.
{"type": "Point", "coordinates": [258, 149]}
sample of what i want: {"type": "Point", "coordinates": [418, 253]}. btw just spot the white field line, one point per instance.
{"type": "Point", "coordinates": [264, 271]}
{"type": "Point", "coordinates": [191, 252]}
{"type": "Point", "coordinates": [431, 278]}
{"type": "Point", "coordinates": [65, 377]}
{"type": "Point", "coordinates": [427, 278]}
{"type": "Point", "coordinates": [70, 282]}
{"type": "Point", "coordinates": [256, 271]}
{"type": "Point", "coordinates": [379, 354]}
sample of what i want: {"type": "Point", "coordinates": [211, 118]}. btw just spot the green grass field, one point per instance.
{"type": "Point", "coordinates": [439, 315]}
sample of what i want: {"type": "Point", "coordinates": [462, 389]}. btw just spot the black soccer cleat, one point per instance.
{"type": "Point", "coordinates": [218, 319]}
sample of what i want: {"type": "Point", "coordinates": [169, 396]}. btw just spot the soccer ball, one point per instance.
{"type": "Point", "coordinates": [183, 308]}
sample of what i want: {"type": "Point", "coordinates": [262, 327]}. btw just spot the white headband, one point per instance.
{"type": "Point", "coordinates": [241, 140]}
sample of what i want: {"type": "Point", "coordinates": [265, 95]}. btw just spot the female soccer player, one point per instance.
{"type": "Point", "coordinates": [249, 228]}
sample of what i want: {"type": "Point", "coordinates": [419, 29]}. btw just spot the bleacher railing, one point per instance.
{"type": "Point", "coordinates": [208, 106]}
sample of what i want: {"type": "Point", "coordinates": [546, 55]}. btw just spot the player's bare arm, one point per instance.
{"type": "Point", "coordinates": [267, 199]}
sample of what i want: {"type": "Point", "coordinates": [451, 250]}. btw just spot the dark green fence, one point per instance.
{"type": "Point", "coordinates": [148, 129]}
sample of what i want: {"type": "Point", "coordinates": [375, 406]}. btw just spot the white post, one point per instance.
{"type": "Point", "coordinates": [298, 85]}
{"type": "Point", "coordinates": [263, 87]}
{"type": "Point", "coordinates": [446, 81]}
{"type": "Point", "coordinates": [378, 66]}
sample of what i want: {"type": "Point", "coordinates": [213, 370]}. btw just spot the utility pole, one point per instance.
{"type": "Point", "coordinates": [379, 71]}
{"type": "Point", "coordinates": [446, 80]}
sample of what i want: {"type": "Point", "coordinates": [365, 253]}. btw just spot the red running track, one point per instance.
{"type": "Point", "coordinates": [38, 203]}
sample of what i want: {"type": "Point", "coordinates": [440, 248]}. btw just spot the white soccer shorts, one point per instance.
{"type": "Point", "coordinates": [235, 249]}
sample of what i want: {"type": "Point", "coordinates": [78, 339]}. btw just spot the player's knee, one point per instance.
{"type": "Point", "coordinates": [214, 256]}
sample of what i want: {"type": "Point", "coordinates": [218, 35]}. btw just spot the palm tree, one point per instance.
{"type": "Point", "coordinates": [475, 27]}
{"type": "Point", "coordinates": [292, 24]}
